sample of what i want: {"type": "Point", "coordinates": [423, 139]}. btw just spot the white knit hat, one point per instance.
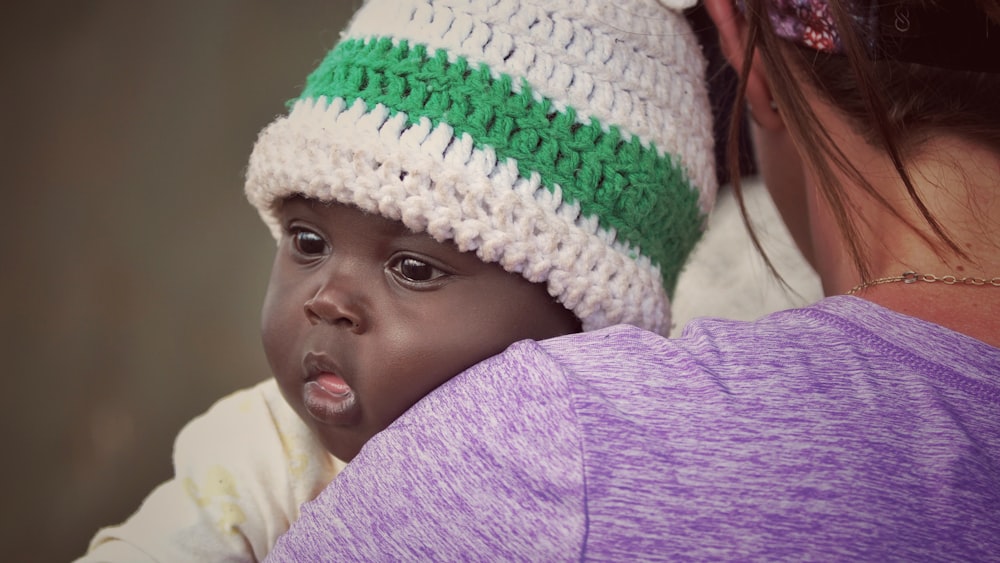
{"type": "Point", "coordinates": [569, 141]}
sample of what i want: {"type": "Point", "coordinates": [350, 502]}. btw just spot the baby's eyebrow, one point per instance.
{"type": "Point", "coordinates": [397, 231]}
{"type": "Point", "coordinates": [422, 241]}
{"type": "Point", "coordinates": [392, 228]}
{"type": "Point", "coordinates": [403, 234]}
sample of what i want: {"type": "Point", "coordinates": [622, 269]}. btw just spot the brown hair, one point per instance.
{"type": "Point", "coordinates": [894, 105]}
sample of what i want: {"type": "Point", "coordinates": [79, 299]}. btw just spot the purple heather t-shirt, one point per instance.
{"type": "Point", "coordinates": [841, 431]}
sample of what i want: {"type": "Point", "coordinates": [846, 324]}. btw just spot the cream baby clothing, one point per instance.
{"type": "Point", "coordinates": [241, 472]}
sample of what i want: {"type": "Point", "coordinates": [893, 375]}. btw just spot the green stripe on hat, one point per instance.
{"type": "Point", "coordinates": [643, 196]}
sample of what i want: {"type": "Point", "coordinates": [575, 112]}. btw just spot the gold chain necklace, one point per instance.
{"type": "Point", "coordinates": [910, 276]}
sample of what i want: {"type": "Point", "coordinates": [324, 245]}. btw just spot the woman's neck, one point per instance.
{"type": "Point", "coordinates": [972, 311]}
{"type": "Point", "coordinates": [959, 182]}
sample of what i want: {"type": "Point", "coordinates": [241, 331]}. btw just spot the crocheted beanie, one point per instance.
{"type": "Point", "coordinates": [568, 141]}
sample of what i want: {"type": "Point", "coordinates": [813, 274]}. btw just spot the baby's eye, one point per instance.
{"type": "Point", "coordinates": [307, 243]}
{"type": "Point", "coordinates": [413, 270]}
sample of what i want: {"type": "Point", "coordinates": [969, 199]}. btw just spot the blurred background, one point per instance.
{"type": "Point", "coordinates": [132, 267]}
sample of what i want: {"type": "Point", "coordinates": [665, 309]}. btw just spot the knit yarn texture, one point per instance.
{"type": "Point", "coordinates": [568, 141]}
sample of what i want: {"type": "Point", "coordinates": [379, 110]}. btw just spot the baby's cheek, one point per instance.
{"type": "Point", "coordinates": [410, 367]}
{"type": "Point", "coordinates": [280, 317]}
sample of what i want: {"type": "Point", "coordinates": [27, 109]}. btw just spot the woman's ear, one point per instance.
{"type": "Point", "coordinates": [732, 28]}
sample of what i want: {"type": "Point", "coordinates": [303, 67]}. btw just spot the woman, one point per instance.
{"type": "Point", "coordinates": [862, 427]}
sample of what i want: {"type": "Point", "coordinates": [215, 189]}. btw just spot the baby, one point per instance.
{"type": "Point", "coordinates": [363, 317]}
{"type": "Point", "coordinates": [456, 176]}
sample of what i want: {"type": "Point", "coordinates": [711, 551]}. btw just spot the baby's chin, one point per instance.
{"type": "Point", "coordinates": [343, 444]}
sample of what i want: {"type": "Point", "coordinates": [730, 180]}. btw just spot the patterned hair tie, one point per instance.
{"type": "Point", "coordinates": [806, 22]}
{"type": "Point", "coordinates": [955, 35]}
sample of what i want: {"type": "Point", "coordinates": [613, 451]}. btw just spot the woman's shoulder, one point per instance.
{"type": "Point", "coordinates": [812, 361]}
{"type": "Point", "coordinates": [790, 371]}
{"type": "Point", "coordinates": [625, 426]}
{"type": "Point", "coordinates": [838, 332]}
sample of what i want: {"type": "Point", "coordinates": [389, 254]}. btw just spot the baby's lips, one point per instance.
{"type": "Point", "coordinates": [333, 384]}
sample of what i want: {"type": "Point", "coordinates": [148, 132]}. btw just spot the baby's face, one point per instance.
{"type": "Point", "coordinates": [363, 317]}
